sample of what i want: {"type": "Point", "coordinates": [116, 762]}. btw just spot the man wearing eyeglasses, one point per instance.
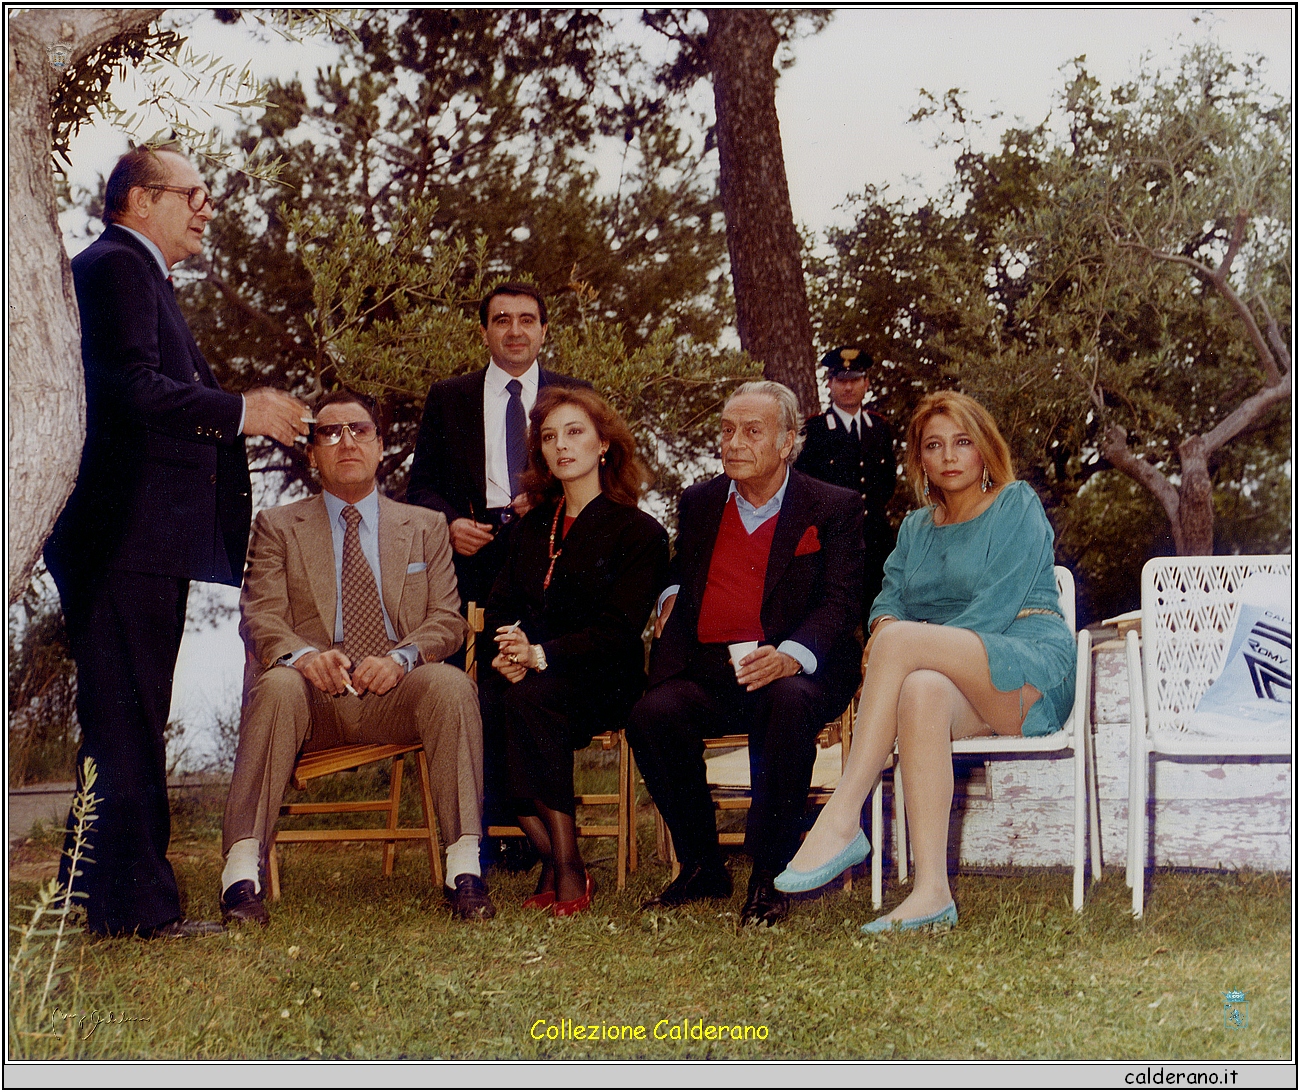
{"type": "Point", "coordinates": [349, 608]}
{"type": "Point", "coordinates": [162, 498]}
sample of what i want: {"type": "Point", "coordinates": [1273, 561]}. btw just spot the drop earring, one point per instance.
{"type": "Point", "coordinates": [926, 491]}
{"type": "Point", "coordinates": [602, 458]}
{"type": "Point", "coordinates": [985, 484]}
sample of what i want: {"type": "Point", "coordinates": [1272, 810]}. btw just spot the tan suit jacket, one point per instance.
{"type": "Point", "coordinates": [289, 597]}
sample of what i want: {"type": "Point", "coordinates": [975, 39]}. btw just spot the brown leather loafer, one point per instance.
{"type": "Point", "coordinates": [242, 905]}
{"type": "Point", "coordinates": [470, 901]}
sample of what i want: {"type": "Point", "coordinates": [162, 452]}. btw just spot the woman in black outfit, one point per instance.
{"type": "Point", "coordinates": [568, 611]}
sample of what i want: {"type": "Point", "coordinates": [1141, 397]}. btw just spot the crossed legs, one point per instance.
{"type": "Point", "coordinates": [925, 686]}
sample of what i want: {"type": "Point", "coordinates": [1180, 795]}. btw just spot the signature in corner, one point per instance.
{"type": "Point", "coordinates": [88, 1022]}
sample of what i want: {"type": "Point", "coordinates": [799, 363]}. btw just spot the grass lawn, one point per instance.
{"type": "Point", "coordinates": [354, 965]}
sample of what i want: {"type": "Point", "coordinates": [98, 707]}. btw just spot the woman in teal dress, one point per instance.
{"type": "Point", "coordinates": [966, 639]}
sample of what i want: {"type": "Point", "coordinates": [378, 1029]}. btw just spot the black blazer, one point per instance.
{"type": "Point", "coordinates": [589, 622]}
{"type": "Point", "coordinates": [867, 467]}
{"type": "Point", "coordinates": [448, 472]}
{"type": "Point", "coordinates": [813, 599]}
{"type": "Point", "coordinates": [163, 486]}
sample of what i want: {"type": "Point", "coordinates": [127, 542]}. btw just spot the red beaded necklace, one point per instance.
{"type": "Point", "coordinates": [550, 548]}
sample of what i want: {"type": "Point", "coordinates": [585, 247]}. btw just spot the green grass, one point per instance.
{"type": "Point", "coordinates": [354, 965]}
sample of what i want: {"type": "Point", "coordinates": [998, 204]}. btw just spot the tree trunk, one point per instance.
{"type": "Point", "coordinates": [766, 272]}
{"type": "Point", "coordinates": [1195, 500]}
{"type": "Point", "coordinates": [47, 396]}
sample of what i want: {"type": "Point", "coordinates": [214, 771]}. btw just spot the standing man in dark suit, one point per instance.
{"type": "Point", "coordinates": [852, 447]}
{"type": "Point", "coordinates": [162, 498]}
{"type": "Point", "coordinates": [469, 457]}
{"type": "Point", "coordinates": [767, 554]}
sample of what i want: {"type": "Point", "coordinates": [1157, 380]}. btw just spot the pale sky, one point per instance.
{"type": "Point", "coordinates": [844, 109]}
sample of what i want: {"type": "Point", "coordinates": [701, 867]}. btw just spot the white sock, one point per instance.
{"type": "Point", "coordinates": [462, 858]}
{"type": "Point", "coordinates": [241, 864]}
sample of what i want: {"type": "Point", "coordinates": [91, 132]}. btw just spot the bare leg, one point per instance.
{"type": "Point", "coordinates": [900, 649]}
{"type": "Point", "coordinates": [931, 713]}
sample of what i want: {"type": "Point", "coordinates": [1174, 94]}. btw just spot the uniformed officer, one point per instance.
{"type": "Point", "coordinates": [852, 447]}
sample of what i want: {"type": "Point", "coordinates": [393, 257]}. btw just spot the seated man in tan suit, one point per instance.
{"type": "Point", "coordinates": [344, 663]}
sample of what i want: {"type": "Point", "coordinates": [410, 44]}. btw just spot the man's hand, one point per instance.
{"type": "Point", "coordinates": [469, 537]}
{"type": "Point", "coordinates": [328, 670]}
{"type": "Point", "coordinates": [512, 671]}
{"type": "Point", "coordinates": [661, 619]}
{"type": "Point", "coordinates": [765, 665]}
{"type": "Point", "coordinates": [378, 674]}
{"type": "Point", "coordinates": [268, 412]}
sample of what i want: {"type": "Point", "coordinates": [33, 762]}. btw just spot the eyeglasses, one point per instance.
{"type": "Point", "coordinates": [329, 435]}
{"type": "Point", "coordinates": [197, 196]}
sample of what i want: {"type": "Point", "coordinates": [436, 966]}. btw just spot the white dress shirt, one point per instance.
{"type": "Point", "coordinates": [495, 400]}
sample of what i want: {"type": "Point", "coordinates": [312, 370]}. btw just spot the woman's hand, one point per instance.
{"type": "Point", "coordinates": [512, 671]}
{"type": "Point", "coordinates": [514, 652]}
{"type": "Point", "coordinates": [881, 623]}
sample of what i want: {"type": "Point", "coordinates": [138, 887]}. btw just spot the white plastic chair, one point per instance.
{"type": "Point", "coordinates": [1189, 613]}
{"type": "Point", "coordinates": [1074, 737]}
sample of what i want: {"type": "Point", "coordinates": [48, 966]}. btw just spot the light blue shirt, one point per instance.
{"type": "Point", "coordinates": [152, 247]}
{"type": "Point", "coordinates": [752, 519]}
{"type": "Point", "coordinates": [368, 533]}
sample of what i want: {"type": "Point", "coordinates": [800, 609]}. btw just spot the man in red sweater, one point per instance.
{"type": "Point", "coordinates": [767, 554]}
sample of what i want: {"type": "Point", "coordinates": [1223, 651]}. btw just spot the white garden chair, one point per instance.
{"type": "Point", "coordinates": [1075, 737]}
{"type": "Point", "coordinates": [1190, 607]}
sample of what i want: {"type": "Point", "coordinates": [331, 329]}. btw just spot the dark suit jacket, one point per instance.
{"type": "Point", "coordinates": [448, 472]}
{"type": "Point", "coordinates": [163, 486]}
{"type": "Point", "coordinates": [813, 599]}
{"type": "Point", "coordinates": [589, 622]}
{"type": "Point", "coordinates": [867, 467]}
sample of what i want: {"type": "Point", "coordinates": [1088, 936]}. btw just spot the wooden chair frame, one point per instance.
{"type": "Point", "coordinates": [623, 829]}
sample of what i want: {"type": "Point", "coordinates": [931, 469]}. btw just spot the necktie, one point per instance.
{"type": "Point", "coordinates": [516, 436]}
{"type": "Point", "coordinates": [853, 430]}
{"type": "Point", "coordinates": [363, 617]}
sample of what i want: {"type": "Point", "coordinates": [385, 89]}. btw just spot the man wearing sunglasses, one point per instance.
{"type": "Point", "coordinates": [349, 608]}
{"type": "Point", "coordinates": [162, 498]}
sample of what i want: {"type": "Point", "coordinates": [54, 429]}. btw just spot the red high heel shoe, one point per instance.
{"type": "Point", "coordinates": [539, 900]}
{"type": "Point", "coordinates": [569, 907]}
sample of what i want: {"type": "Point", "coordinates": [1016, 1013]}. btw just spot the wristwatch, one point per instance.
{"type": "Point", "coordinates": [539, 658]}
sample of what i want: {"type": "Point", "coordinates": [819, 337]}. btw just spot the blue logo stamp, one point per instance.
{"type": "Point", "coordinates": [1236, 1011]}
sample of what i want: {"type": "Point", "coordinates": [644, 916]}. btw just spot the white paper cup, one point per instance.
{"type": "Point", "coordinates": [739, 650]}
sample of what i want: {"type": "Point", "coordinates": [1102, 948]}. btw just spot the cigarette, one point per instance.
{"type": "Point", "coordinates": [516, 625]}
{"type": "Point", "coordinates": [352, 690]}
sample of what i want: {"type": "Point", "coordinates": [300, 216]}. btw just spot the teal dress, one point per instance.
{"type": "Point", "coordinates": [979, 575]}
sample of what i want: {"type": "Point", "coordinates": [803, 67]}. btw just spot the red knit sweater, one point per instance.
{"type": "Point", "coordinates": [733, 596]}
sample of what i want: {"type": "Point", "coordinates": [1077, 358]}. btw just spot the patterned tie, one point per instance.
{"type": "Point", "coordinates": [516, 436]}
{"type": "Point", "coordinates": [363, 617]}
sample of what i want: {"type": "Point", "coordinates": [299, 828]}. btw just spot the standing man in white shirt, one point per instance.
{"type": "Point", "coordinates": [470, 454]}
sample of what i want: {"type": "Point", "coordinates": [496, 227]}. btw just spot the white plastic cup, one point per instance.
{"type": "Point", "coordinates": [739, 650]}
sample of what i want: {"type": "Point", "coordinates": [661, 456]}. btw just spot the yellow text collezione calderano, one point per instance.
{"type": "Point", "coordinates": [679, 1031]}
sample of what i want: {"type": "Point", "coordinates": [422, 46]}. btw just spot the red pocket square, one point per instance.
{"type": "Point", "coordinates": [809, 544]}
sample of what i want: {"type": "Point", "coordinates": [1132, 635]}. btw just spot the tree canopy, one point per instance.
{"type": "Point", "coordinates": [1117, 291]}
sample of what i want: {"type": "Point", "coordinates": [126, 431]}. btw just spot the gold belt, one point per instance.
{"type": "Point", "coordinates": [1039, 610]}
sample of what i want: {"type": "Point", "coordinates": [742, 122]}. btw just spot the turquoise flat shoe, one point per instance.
{"type": "Point", "coordinates": [941, 922]}
{"type": "Point", "coordinates": [792, 881]}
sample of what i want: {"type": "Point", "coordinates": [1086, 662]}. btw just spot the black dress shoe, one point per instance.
{"type": "Point", "coordinates": [470, 901]}
{"type": "Point", "coordinates": [183, 929]}
{"type": "Point", "coordinates": [242, 905]}
{"type": "Point", "coordinates": [692, 883]}
{"type": "Point", "coordinates": [764, 905]}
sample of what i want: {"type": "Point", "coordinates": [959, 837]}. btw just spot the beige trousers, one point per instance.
{"type": "Point", "coordinates": [285, 716]}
